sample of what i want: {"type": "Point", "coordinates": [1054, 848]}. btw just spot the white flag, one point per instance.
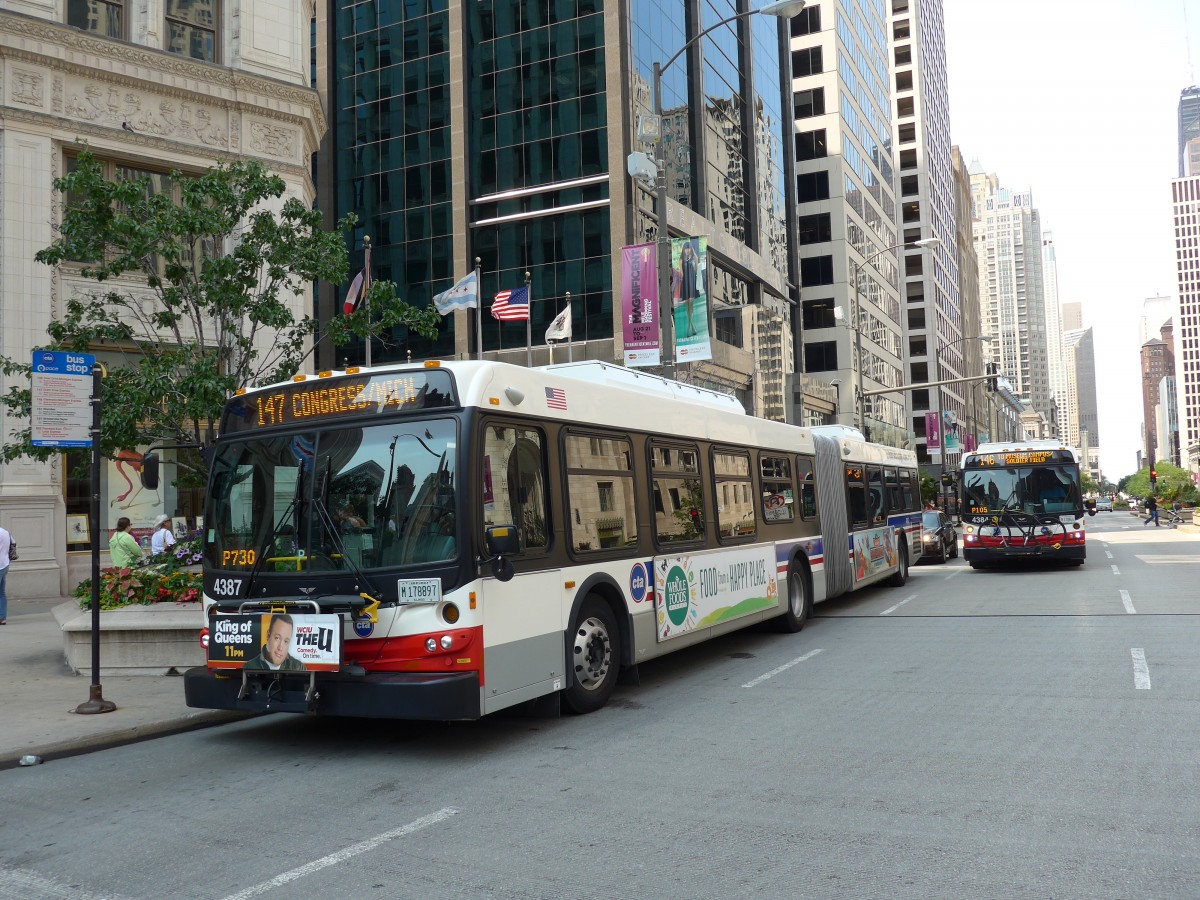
{"type": "Point", "coordinates": [560, 328]}
{"type": "Point", "coordinates": [464, 295]}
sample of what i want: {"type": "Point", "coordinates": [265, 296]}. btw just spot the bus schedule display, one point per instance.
{"type": "Point", "coordinates": [1020, 458]}
{"type": "Point", "coordinates": [308, 402]}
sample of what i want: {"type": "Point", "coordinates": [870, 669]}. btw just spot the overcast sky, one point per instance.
{"type": "Point", "coordinates": [1077, 102]}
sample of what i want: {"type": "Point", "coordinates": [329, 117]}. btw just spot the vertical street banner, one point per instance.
{"type": "Point", "coordinates": [689, 298]}
{"type": "Point", "coordinates": [932, 435]}
{"type": "Point", "coordinates": [950, 428]}
{"type": "Point", "coordinates": [639, 305]}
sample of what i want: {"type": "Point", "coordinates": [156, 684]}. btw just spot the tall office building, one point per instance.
{"type": "Point", "coordinates": [1189, 131]}
{"type": "Point", "coordinates": [1083, 421]}
{"type": "Point", "coordinates": [1008, 241]}
{"type": "Point", "coordinates": [500, 132]}
{"type": "Point", "coordinates": [1185, 196]}
{"type": "Point", "coordinates": [1058, 373]}
{"type": "Point", "coordinates": [1156, 311]}
{"type": "Point", "coordinates": [1157, 363]}
{"type": "Point", "coordinates": [846, 207]}
{"type": "Point", "coordinates": [937, 346]}
{"type": "Point", "coordinates": [150, 87]}
{"type": "Point", "coordinates": [977, 353]}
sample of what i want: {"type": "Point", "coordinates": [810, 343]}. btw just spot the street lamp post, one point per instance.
{"type": "Point", "coordinates": [666, 311]}
{"type": "Point", "coordinates": [860, 401]}
{"type": "Point", "coordinates": [937, 371]}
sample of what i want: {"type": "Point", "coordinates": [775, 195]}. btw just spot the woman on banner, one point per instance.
{"type": "Point", "coordinates": [689, 283]}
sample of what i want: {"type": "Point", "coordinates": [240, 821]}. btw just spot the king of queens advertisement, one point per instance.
{"type": "Point", "coordinates": [639, 305]}
{"type": "Point", "coordinates": [275, 642]}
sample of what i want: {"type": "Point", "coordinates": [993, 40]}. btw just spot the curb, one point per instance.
{"type": "Point", "coordinates": [122, 737]}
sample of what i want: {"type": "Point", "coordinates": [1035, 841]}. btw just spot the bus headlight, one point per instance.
{"type": "Point", "coordinates": [431, 645]}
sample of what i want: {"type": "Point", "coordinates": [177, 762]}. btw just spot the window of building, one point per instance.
{"type": "Point", "coordinates": [816, 270]}
{"type": "Point", "coordinates": [815, 229]}
{"type": "Point", "coordinates": [818, 313]}
{"type": "Point", "coordinates": [807, 61]}
{"type": "Point", "coordinates": [908, 159]}
{"type": "Point", "coordinates": [812, 186]}
{"type": "Point", "coordinates": [904, 80]}
{"type": "Point", "coordinates": [192, 28]}
{"type": "Point", "coordinates": [907, 133]}
{"type": "Point", "coordinates": [820, 356]}
{"type": "Point", "coordinates": [811, 144]}
{"type": "Point", "coordinates": [807, 21]}
{"type": "Point", "coordinates": [909, 184]}
{"type": "Point", "coordinates": [600, 492]}
{"type": "Point", "coordinates": [905, 107]}
{"type": "Point", "coordinates": [735, 505]}
{"type": "Point", "coordinates": [904, 55]}
{"type": "Point", "coordinates": [810, 103]}
{"type": "Point", "coordinates": [106, 17]}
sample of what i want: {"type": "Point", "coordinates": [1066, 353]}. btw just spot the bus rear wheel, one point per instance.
{"type": "Point", "coordinates": [900, 576]}
{"type": "Point", "coordinates": [594, 658]}
{"type": "Point", "coordinates": [799, 602]}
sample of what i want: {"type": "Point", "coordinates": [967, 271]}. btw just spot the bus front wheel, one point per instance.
{"type": "Point", "coordinates": [799, 602]}
{"type": "Point", "coordinates": [594, 657]}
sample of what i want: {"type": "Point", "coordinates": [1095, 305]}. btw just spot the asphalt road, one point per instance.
{"type": "Point", "coordinates": [1024, 733]}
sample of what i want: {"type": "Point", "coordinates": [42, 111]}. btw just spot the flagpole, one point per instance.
{"type": "Point", "coordinates": [478, 311]}
{"type": "Point", "coordinates": [367, 290]}
{"type": "Point", "coordinates": [528, 323]}
{"type": "Point", "coordinates": [571, 334]}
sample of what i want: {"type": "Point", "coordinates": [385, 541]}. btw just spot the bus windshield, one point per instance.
{"type": "Point", "coordinates": [1029, 489]}
{"type": "Point", "coordinates": [345, 498]}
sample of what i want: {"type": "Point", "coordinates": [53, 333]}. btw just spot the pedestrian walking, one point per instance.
{"type": "Point", "coordinates": [1152, 509]}
{"type": "Point", "coordinates": [5, 562]}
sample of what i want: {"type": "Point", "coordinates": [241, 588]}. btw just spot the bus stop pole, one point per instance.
{"type": "Point", "coordinates": [95, 702]}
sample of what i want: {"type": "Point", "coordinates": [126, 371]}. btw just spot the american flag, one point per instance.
{"type": "Point", "coordinates": [556, 398]}
{"type": "Point", "coordinates": [511, 306]}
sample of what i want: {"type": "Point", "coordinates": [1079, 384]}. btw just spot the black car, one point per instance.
{"type": "Point", "coordinates": [938, 538]}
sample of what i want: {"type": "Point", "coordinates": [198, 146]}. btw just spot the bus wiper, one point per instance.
{"type": "Point", "coordinates": [288, 512]}
{"type": "Point", "coordinates": [330, 526]}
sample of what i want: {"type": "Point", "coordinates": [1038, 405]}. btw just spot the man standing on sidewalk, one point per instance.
{"type": "Point", "coordinates": [1152, 508]}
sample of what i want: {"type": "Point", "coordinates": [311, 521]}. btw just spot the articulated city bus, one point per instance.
{"type": "Point", "coordinates": [447, 540]}
{"type": "Point", "coordinates": [1020, 500]}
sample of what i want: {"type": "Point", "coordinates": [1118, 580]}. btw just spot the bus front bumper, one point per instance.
{"type": "Point", "coordinates": [978, 554]}
{"type": "Point", "coordinates": [375, 695]}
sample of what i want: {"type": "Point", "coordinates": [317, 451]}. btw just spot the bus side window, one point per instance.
{"type": "Point", "coordinates": [514, 482]}
{"type": "Point", "coordinates": [875, 495]}
{"type": "Point", "coordinates": [735, 506]}
{"type": "Point", "coordinates": [677, 494]}
{"type": "Point", "coordinates": [895, 496]}
{"type": "Point", "coordinates": [911, 490]}
{"type": "Point", "coordinates": [808, 487]}
{"type": "Point", "coordinates": [856, 495]}
{"type": "Point", "coordinates": [600, 492]}
{"type": "Point", "coordinates": [776, 489]}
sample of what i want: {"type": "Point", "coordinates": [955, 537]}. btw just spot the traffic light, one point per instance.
{"type": "Point", "coordinates": [993, 382]}
{"type": "Point", "coordinates": [1153, 476]}
{"type": "Point", "coordinates": [947, 479]}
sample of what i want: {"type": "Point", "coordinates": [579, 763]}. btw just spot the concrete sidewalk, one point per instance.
{"type": "Point", "coordinates": [40, 694]}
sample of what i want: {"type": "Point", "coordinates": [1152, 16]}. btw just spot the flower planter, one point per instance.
{"type": "Point", "coordinates": [154, 639]}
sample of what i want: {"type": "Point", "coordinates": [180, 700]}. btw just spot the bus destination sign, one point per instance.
{"type": "Point", "coordinates": [311, 402]}
{"type": "Point", "coordinates": [1020, 458]}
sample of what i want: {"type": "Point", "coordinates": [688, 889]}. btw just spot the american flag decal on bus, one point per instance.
{"type": "Point", "coordinates": [556, 398]}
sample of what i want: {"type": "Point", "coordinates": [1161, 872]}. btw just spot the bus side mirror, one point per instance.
{"type": "Point", "coordinates": [150, 471]}
{"type": "Point", "coordinates": [502, 542]}
{"type": "Point", "coordinates": [1091, 506]}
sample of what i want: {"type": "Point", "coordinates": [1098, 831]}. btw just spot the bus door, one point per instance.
{"type": "Point", "coordinates": [522, 618]}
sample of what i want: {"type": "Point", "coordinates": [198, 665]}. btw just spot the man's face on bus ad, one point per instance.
{"type": "Point", "coordinates": [278, 638]}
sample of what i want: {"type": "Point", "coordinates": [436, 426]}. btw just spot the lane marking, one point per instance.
{"type": "Point", "coordinates": [1116, 571]}
{"type": "Point", "coordinates": [892, 609]}
{"type": "Point", "coordinates": [1125, 599]}
{"type": "Point", "coordinates": [761, 678]}
{"type": "Point", "coordinates": [1108, 553]}
{"type": "Point", "coordinates": [32, 886]}
{"type": "Point", "coordinates": [346, 853]}
{"type": "Point", "coordinates": [957, 571]}
{"type": "Point", "coordinates": [1141, 671]}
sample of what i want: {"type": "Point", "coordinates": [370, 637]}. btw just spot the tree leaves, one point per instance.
{"type": "Point", "coordinates": [194, 286]}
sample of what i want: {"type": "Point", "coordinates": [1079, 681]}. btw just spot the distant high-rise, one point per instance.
{"type": "Point", "coordinates": [1008, 242]}
{"type": "Point", "coordinates": [1185, 196]}
{"type": "Point", "coordinates": [1072, 316]}
{"type": "Point", "coordinates": [1155, 312]}
{"type": "Point", "coordinates": [1058, 374]}
{"type": "Point", "coordinates": [1189, 128]}
{"type": "Point", "coordinates": [1157, 363]}
{"type": "Point", "coordinates": [1083, 419]}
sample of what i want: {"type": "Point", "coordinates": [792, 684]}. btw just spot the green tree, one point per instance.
{"type": "Point", "coordinates": [1174, 484]}
{"type": "Point", "coordinates": [1088, 483]}
{"type": "Point", "coordinates": [929, 490]}
{"type": "Point", "coordinates": [192, 288]}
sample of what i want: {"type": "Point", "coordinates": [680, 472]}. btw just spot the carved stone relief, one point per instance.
{"type": "Point", "coordinates": [143, 114]}
{"type": "Point", "coordinates": [28, 88]}
{"type": "Point", "coordinates": [273, 140]}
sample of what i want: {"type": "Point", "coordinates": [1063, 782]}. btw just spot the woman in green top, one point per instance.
{"type": "Point", "coordinates": [123, 546]}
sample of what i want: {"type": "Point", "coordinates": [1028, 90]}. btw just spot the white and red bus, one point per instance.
{"type": "Point", "coordinates": [447, 540]}
{"type": "Point", "coordinates": [1022, 500]}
